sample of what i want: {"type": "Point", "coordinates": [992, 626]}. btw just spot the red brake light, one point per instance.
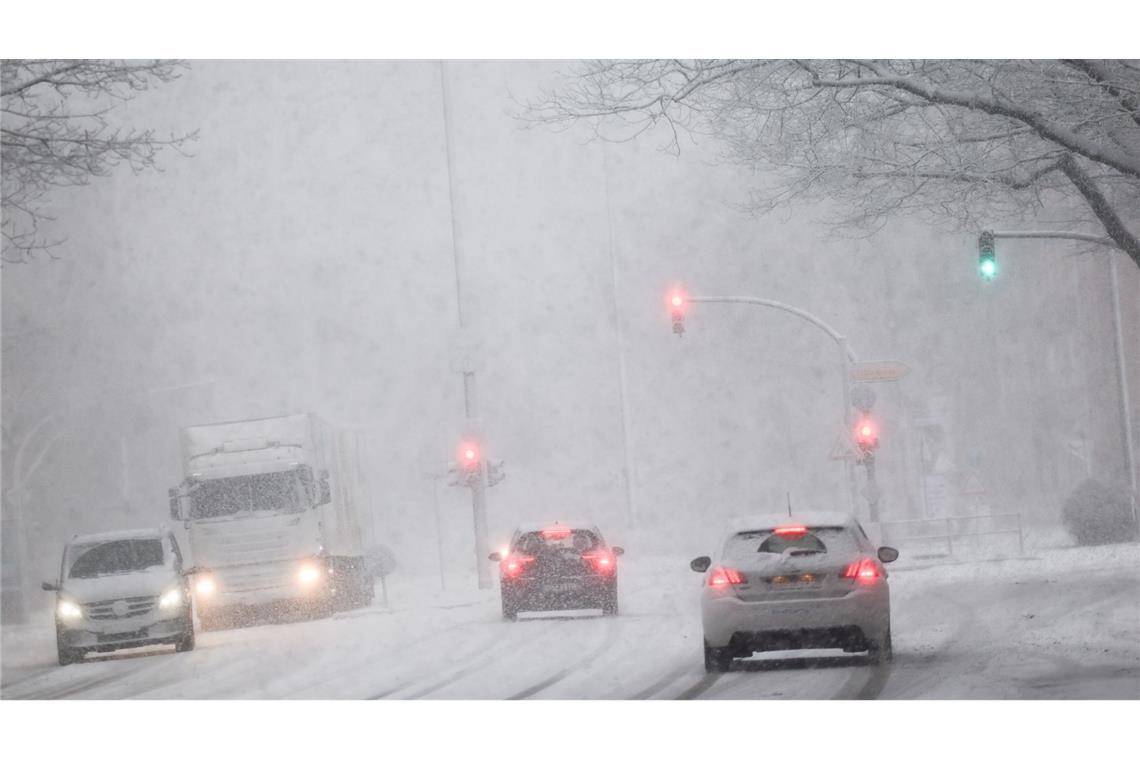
{"type": "Point", "coordinates": [720, 577]}
{"type": "Point", "coordinates": [864, 571]}
{"type": "Point", "coordinates": [556, 533]}
{"type": "Point", "coordinates": [602, 561]}
{"type": "Point", "coordinates": [513, 564]}
{"type": "Point", "coordinates": [791, 530]}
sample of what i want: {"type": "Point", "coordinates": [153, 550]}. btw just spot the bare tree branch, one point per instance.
{"type": "Point", "coordinates": [969, 142]}
{"type": "Point", "coordinates": [55, 132]}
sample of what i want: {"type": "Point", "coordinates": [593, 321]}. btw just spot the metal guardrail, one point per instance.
{"type": "Point", "coordinates": [950, 533]}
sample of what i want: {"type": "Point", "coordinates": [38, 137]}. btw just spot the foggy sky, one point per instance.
{"type": "Point", "coordinates": [302, 260]}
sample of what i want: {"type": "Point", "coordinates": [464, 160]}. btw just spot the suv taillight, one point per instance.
{"type": "Point", "coordinates": [721, 577]}
{"type": "Point", "coordinates": [864, 571]}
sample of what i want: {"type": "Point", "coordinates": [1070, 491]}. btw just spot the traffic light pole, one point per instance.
{"type": "Point", "coordinates": [847, 356]}
{"type": "Point", "coordinates": [1121, 367]}
{"type": "Point", "coordinates": [478, 482]}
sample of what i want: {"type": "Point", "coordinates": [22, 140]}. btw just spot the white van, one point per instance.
{"type": "Point", "coordinates": [119, 590]}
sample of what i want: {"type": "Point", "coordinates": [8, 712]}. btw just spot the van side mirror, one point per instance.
{"type": "Point", "coordinates": [700, 564]}
{"type": "Point", "coordinates": [888, 554]}
{"type": "Point", "coordinates": [495, 556]}
{"type": "Point", "coordinates": [617, 550]}
{"type": "Point", "coordinates": [49, 586]}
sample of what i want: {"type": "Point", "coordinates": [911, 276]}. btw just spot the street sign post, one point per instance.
{"type": "Point", "coordinates": [862, 398]}
{"type": "Point", "coordinates": [877, 371]}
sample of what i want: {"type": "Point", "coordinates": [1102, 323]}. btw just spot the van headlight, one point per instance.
{"type": "Point", "coordinates": [68, 610]}
{"type": "Point", "coordinates": [171, 599]}
{"type": "Point", "coordinates": [309, 574]}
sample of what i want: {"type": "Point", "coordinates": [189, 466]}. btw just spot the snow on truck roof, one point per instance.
{"type": "Point", "coordinates": [118, 535]}
{"type": "Point", "coordinates": [776, 519]}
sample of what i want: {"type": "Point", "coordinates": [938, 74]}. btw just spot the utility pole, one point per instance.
{"type": "Point", "coordinates": [626, 435]}
{"type": "Point", "coordinates": [478, 482]}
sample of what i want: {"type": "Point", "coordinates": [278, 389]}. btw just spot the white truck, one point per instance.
{"type": "Point", "coordinates": [273, 511]}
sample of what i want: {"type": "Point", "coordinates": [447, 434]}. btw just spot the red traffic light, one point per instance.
{"type": "Point", "coordinates": [867, 433]}
{"type": "Point", "coordinates": [469, 455]}
{"type": "Point", "coordinates": [677, 302]}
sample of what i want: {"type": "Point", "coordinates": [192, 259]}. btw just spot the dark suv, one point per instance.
{"type": "Point", "coordinates": [559, 567]}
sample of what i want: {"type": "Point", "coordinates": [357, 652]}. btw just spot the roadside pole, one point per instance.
{"type": "Point", "coordinates": [1122, 379]}
{"type": "Point", "coordinates": [478, 485]}
{"type": "Point", "coordinates": [435, 478]}
{"type": "Point", "coordinates": [848, 464]}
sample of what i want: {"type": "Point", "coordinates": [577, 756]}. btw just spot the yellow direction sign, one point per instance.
{"type": "Point", "coordinates": [877, 371]}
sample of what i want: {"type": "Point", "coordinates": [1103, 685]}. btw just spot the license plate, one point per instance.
{"type": "Point", "coordinates": [795, 581]}
{"type": "Point", "coordinates": [561, 588]}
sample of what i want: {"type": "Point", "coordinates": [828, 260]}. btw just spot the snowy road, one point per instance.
{"type": "Point", "coordinates": [1063, 623]}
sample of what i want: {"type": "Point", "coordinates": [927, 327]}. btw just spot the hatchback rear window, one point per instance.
{"type": "Point", "coordinates": [816, 540]}
{"type": "Point", "coordinates": [557, 540]}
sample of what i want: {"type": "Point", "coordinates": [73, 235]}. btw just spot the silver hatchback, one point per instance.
{"type": "Point", "coordinates": [814, 580]}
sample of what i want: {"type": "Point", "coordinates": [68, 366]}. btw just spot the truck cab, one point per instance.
{"type": "Point", "coordinates": [265, 530]}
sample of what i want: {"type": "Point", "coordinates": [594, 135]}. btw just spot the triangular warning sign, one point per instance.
{"type": "Point", "coordinates": [973, 485]}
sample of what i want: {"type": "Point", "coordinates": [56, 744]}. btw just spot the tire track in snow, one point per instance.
{"type": "Point", "coordinates": [403, 648]}
{"type": "Point", "coordinates": [700, 687]}
{"type": "Point", "coordinates": [76, 687]}
{"type": "Point", "coordinates": [491, 647]}
{"type": "Point", "coordinates": [659, 685]}
{"type": "Point", "coordinates": [489, 656]}
{"type": "Point", "coordinates": [864, 683]}
{"type": "Point", "coordinates": [607, 642]}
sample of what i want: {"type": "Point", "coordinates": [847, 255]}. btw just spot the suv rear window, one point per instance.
{"type": "Point", "coordinates": [557, 539]}
{"type": "Point", "coordinates": [116, 558]}
{"type": "Point", "coordinates": [821, 540]}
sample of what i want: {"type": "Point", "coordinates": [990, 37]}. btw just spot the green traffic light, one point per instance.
{"type": "Point", "coordinates": [987, 267]}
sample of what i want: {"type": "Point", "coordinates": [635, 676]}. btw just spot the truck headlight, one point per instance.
{"type": "Point", "coordinates": [171, 599]}
{"type": "Point", "coordinates": [205, 586]}
{"type": "Point", "coordinates": [68, 610]}
{"type": "Point", "coordinates": [309, 574]}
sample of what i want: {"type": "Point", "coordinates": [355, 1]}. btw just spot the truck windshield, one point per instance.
{"type": "Point", "coordinates": [271, 492]}
{"type": "Point", "coordinates": [116, 558]}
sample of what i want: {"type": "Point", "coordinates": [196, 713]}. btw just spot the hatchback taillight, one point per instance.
{"type": "Point", "coordinates": [601, 561]}
{"type": "Point", "coordinates": [513, 565]}
{"type": "Point", "coordinates": [864, 571]}
{"type": "Point", "coordinates": [722, 577]}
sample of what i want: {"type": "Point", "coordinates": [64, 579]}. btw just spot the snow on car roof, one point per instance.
{"type": "Point", "coordinates": [535, 527]}
{"type": "Point", "coordinates": [776, 519]}
{"type": "Point", "coordinates": [118, 535]}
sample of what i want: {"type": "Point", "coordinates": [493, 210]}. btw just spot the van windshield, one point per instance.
{"type": "Point", "coordinates": [270, 492]}
{"type": "Point", "coordinates": [116, 558]}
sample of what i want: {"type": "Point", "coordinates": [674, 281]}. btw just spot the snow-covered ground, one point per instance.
{"type": "Point", "coordinates": [1061, 622]}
